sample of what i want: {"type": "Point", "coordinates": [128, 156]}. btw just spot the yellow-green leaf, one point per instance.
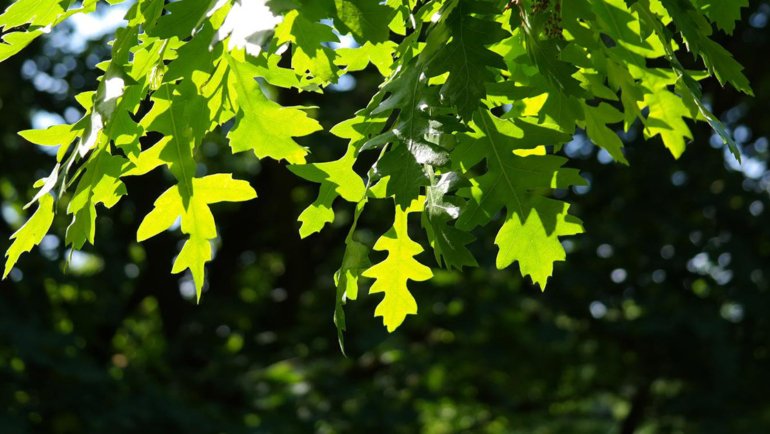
{"type": "Point", "coordinates": [392, 274]}
{"type": "Point", "coordinates": [31, 234]}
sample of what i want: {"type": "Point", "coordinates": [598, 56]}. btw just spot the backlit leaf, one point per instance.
{"type": "Point", "coordinates": [31, 234]}
{"type": "Point", "coordinates": [392, 274]}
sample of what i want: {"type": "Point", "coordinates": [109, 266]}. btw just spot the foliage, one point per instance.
{"type": "Point", "coordinates": [478, 98]}
{"type": "Point", "coordinates": [487, 353]}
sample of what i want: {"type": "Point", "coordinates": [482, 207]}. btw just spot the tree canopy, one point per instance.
{"type": "Point", "coordinates": [657, 323]}
{"type": "Point", "coordinates": [467, 129]}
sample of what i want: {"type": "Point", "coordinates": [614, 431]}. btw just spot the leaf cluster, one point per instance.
{"type": "Point", "coordinates": [477, 99]}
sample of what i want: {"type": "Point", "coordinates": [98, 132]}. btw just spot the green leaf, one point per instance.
{"type": "Point", "coordinates": [422, 123]}
{"type": "Point", "coordinates": [667, 112]}
{"type": "Point", "coordinates": [31, 234]}
{"type": "Point", "coordinates": [62, 136]}
{"type": "Point", "coordinates": [39, 15]}
{"type": "Point", "coordinates": [263, 126]}
{"type": "Point", "coordinates": [517, 184]}
{"type": "Point", "coordinates": [448, 243]}
{"type": "Point", "coordinates": [723, 65]}
{"type": "Point", "coordinates": [404, 177]}
{"type": "Point", "coordinates": [616, 20]}
{"type": "Point", "coordinates": [56, 135]}
{"type": "Point", "coordinates": [367, 20]}
{"type": "Point", "coordinates": [181, 19]}
{"type": "Point", "coordinates": [196, 219]}
{"type": "Point", "coordinates": [309, 54]}
{"type": "Point", "coordinates": [319, 213]}
{"type": "Point", "coordinates": [100, 184]}
{"type": "Point", "coordinates": [32, 12]}
{"type": "Point", "coordinates": [208, 190]}
{"type": "Point", "coordinates": [338, 174]}
{"type": "Point", "coordinates": [531, 234]}
{"type": "Point", "coordinates": [195, 252]}
{"type": "Point", "coordinates": [392, 274]}
{"type": "Point", "coordinates": [466, 58]}
{"type": "Point", "coordinates": [666, 119]}
{"type": "Point", "coordinates": [546, 56]}
{"type": "Point", "coordinates": [696, 31]}
{"type": "Point", "coordinates": [167, 208]}
{"type": "Point", "coordinates": [631, 93]}
{"type": "Point", "coordinates": [688, 88]}
{"type": "Point", "coordinates": [597, 119]}
{"type": "Point", "coordinates": [359, 129]}
{"type": "Point", "coordinates": [194, 60]}
{"type": "Point", "coordinates": [180, 114]}
{"type": "Point", "coordinates": [14, 42]}
{"type": "Point", "coordinates": [356, 59]}
{"type": "Point", "coordinates": [337, 178]}
{"type": "Point", "coordinates": [723, 13]}
{"type": "Point", "coordinates": [354, 263]}
{"type": "Point", "coordinates": [683, 80]}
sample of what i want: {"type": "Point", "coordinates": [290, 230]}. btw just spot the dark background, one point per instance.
{"type": "Point", "coordinates": [657, 323]}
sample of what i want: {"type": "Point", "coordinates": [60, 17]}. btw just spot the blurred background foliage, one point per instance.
{"type": "Point", "coordinates": [657, 323]}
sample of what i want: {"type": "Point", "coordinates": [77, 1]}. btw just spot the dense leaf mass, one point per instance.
{"type": "Point", "coordinates": [477, 99]}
